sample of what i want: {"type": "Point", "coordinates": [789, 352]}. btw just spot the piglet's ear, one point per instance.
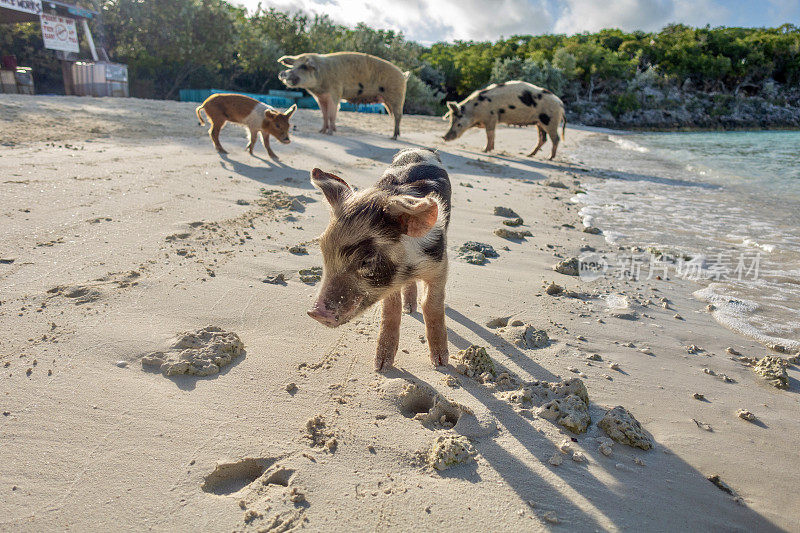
{"type": "Point", "coordinates": [287, 60]}
{"type": "Point", "coordinates": [289, 112]}
{"type": "Point", "coordinates": [335, 189]}
{"type": "Point", "coordinates": [417, 215]}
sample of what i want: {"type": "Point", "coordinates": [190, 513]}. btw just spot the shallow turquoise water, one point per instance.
{"type": "Point", "coordinates": [727, 199]}
{"type": "Point", "coordinates": [765, 160]}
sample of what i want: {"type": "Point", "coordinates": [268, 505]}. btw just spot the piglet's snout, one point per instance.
{"type": "Point", "coordinates": [323, 315]}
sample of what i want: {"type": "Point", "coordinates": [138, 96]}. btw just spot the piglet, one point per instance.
{"type": "Point", "coordinates": [250, 113]}
{"type": "Point", "coordinates": [380, 242]}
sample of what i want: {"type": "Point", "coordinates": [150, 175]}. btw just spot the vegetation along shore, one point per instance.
{"type": "Point", "coordinates": [678, 78]}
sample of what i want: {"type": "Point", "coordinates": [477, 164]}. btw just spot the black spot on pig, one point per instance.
{"type": "Point", "coordinates": [489, 99]}
{"type": "Point", "coordinates": [527, 98]}
{"type": "Point", "coordinates": [482, 96]}
{"type": "Point", "coordinates": [545, 118]}
{"type": "Point", "coordinates": [381, 89]}
{"type": "Point", "coordinates": [500, 84]}
{"type": "Point", "coordinates": [512, 106]}
{"type": "Point", "coordinates": [382, 272]}
{"type": "Point", "coordinates": [360, 88]}
{"type": "Point", "coordinates": [491, 112]}
{"type": "Point", "coordinates": [501, 111]}
{"type": "Point", "coordinates": [408, 271]}
{"type": "Point", "coordinates": [372, 214]}
{"type": "Point", "coordinates": [539, 96]}
{"type": "Point", "coordinates": [475, 104]}
{"type": "Point", "coordinates": [434, 245]}
{"type": "Point", "coordinates": [361, 249]}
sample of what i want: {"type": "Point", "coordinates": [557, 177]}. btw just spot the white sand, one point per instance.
{"type": "Point", "coordinates": [125, 209]}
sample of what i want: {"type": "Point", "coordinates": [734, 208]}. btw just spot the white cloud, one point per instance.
{"type": "Point", "coordinates": [431, 20]}
{"type": "Point", "coordinates": [428, 21]}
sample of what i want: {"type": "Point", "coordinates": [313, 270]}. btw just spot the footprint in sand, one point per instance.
{"type": "Point", "coordinates": [230, 478]}
{"type": "Point", "coordinates": [96, 289]}
{"type": "Point", "coordinates": [431, 409]}
{"type": "Point", "coordinates": [435, 412]}
{"type": "Point", "coordinates": [261, 472]}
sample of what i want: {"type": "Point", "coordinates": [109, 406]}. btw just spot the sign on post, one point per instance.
{"type": "Point", "coordinates": [33, 7]}
{"type": "Point", "coordinates": [59, 33]}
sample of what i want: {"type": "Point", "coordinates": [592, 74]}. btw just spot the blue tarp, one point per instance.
{"type": "Point", "coordinates": [307, 102]}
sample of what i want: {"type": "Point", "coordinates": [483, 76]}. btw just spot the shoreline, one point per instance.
{"type": "Point", "coordinates": [122, 243]}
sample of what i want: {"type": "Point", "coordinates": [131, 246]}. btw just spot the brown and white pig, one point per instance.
{"type": "Point", "coordinates": [356, 77]}
{"type": "Point", "coordinates": [250, 113]}
{"type": "Point", "coordinates": [380, 242]}
{"type": "Point", "coordinates": [514, 102]}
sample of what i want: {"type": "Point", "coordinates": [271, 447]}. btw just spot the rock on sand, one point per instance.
{"type": "Point", "coordinates": [202, 352]}
{"type": "Point", "coordinates": [773, 370]}
{"type": "Point", "coordinates": [620, 425]}
{"type": "Point", "coordinates": [450, 450]}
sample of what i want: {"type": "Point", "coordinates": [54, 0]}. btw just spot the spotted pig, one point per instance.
{"type": "Point", "coordinates": [514, 102]}
{"type": "Point", "coordinates": [356, 77]}
{"type": "Point", "coordinates": [380, 242]}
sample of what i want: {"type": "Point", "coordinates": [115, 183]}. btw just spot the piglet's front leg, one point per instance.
{"type": "Point", "coordinates": [389, 336]}
{"type": "Point", "coordinates": [435, 329]}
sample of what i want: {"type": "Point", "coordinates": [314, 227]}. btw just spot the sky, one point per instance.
{"type": "Point", "coordinates": [429, 21]}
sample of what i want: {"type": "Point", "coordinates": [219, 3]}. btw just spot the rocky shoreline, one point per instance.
{"type": "Point", "coordinates": [680, 111]}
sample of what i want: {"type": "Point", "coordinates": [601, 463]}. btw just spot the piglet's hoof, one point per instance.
{"type": "Point", "coordinates": [440, 359]}
{"type": "Point", "coordinates": [383, 362]}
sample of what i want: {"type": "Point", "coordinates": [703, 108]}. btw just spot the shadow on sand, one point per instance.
{"type": "Point", "coordinates": [602, 493]}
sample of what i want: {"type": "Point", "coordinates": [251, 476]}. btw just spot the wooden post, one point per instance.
{"type": "Point", "coordinates": [66, 74]}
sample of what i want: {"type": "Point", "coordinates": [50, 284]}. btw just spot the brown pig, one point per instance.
{"type": "Point", "coordinates": [356, 77]}
{"type": "Point", "coordinates": [380, 242]}
{"type": "Point", "coordinates": [250, 113]}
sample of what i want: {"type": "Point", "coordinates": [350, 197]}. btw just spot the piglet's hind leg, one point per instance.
{"type": "Point", "coordinates": [410, 297]}
{"type": "Point", "coordinates": [389, 335]}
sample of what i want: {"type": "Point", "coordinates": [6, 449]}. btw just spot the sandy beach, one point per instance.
{"type": "Point", "coordinates": [122, 228]}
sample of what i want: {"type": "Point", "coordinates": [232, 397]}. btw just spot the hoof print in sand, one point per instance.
{"type": "Point", "coordinates": [229, 478]}
{"type": "Point", "coordinates": [773, 370]}
{"type": "Point", "coordinates": [200, 353]}
{"type": "Point", "coordinates": [435, 412]}
{"type": "Point", "coordinates": [525, 336]}
{"type": "Point", "coordinates": [93, 291]}
{"type": "Point", "coordinates": [448, 451]}
{"type": "Point", "coordinates": [79, 294]}
{"type": "Point", "coordinates": [432, 410]}
{"type": "Point", "coordinates": [619, 424]}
